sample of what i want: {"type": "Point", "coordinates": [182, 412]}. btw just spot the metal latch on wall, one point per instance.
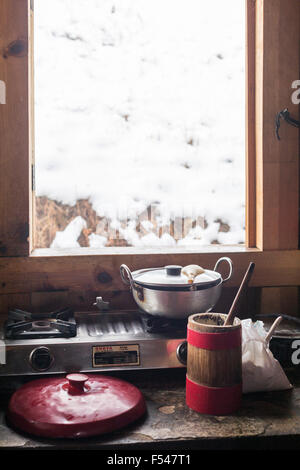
{"type": "Point", "coordinates": [285, 115]}
{"type": "Point", "coordinates": [101, 305]}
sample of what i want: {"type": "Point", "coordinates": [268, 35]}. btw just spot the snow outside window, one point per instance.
{"type": "Point", "coordinates": [139, 119]}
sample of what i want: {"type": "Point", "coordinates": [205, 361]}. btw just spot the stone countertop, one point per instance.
{"type": "Point", "coordinates": [265, 420]}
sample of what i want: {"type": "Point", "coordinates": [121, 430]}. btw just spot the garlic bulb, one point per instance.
{"type": "Point", "coordinates": [191, 271]}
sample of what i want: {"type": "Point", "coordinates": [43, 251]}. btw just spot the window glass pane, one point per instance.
{"type": "Point", "coordinates": [139, 120]}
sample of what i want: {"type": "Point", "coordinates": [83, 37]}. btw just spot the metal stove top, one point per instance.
{"type": "Point", "coordinates": [104, 341]}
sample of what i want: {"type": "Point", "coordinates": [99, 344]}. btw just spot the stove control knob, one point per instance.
{"type": "Point", "coordinates": [41, 359]}
{"type": "Point", "coordinates": [181, 352]}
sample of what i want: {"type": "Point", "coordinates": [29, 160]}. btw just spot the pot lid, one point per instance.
{"type": "Point", "coordinates": [76, 406]}
{"type": "Point", "coordinates": [172, 276]}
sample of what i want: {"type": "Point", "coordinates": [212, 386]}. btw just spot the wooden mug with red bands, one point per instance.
{"type": "Point", "coordinates": [214, 364]}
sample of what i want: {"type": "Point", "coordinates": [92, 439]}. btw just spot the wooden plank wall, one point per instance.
{"type": "Point", "coordinates": [257, 301]}
{"type": "Point", "coordinates": [277, 162]}
{"type": "Point", "coordinates": [77, 280]}
{"type": "Point", "coordinates": [33, 274]}
{"type": "Point", "coordinates": [15, 142]}
{"type": "Point", "coordinates": [250, 126]}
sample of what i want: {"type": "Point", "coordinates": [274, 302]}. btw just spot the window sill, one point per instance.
{"type": "Point", "coordinates": [218, 249]}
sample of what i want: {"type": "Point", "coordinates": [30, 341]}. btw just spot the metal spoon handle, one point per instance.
{"type": "Point", "coordinates": [272, 329]}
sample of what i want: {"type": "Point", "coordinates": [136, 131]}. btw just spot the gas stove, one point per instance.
{"type": "Point", "coordinates": [63, 342]}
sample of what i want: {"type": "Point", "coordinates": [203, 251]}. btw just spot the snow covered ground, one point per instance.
{"type": "Point", "coordinates": [141, 102]}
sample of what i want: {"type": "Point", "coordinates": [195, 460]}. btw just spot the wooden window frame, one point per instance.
{"type": "Point", "coordinates": [272, 182]}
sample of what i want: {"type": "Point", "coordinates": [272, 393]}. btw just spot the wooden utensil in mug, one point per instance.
{"type": "Point", "coordinates": [242, 289]}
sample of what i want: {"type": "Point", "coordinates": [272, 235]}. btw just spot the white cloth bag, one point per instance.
{"type": "Point", "coordinates": [261, 371]}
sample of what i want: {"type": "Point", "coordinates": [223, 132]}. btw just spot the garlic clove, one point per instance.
{"type": "Point", "coordinates": [191, 271]}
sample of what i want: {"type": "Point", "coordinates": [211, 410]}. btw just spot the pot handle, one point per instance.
{"type": "Point", "coordinates": [228, 260]}
{"type": "Point", "coordinates": [126, 278]}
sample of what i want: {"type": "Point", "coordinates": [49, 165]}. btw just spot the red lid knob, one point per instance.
{"type": "Point", "coordinates": [76, 382]}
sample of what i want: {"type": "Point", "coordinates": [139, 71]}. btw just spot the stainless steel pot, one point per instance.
{"type": "Point", "coordinates": [166, 292]}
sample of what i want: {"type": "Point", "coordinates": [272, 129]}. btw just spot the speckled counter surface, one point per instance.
{"type": "Point", "coordinates": [265, 420]}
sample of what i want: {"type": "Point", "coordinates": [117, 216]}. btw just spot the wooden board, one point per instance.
{"type": "Point", "coordinates": [257, 301]}
{"type": "Point", "coordinates": [250, 126]}
{"type": "Point", "coordinates": [101, 273]}
{"type": "Point", "coordinates": [280, 300]}
{"type": "Point", "coordinates": [14, 128]}
{"type": "Point", "coordinates": [276, 67]}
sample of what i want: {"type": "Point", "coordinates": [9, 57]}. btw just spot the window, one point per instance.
{"type": "Point", "coordinates": [272, 174]}
{"type": "Point", "coordinates": [139, 123]}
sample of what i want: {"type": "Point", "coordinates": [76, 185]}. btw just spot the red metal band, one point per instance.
{"type": "Point", "coordinates": [213, 401]}
{"type": "Point", "coordinates": [227, 340]}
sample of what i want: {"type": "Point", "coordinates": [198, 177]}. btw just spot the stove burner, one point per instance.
{"type": "Point", "coordinates": [41, 325]}
{"type": "Point", "coordinates": [26, 325]}
{"type": "Point", "coordinates": [156, 324]}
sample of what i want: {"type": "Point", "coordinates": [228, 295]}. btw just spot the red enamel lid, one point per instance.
{"type": "Point", "coordinates": [76, 406]}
